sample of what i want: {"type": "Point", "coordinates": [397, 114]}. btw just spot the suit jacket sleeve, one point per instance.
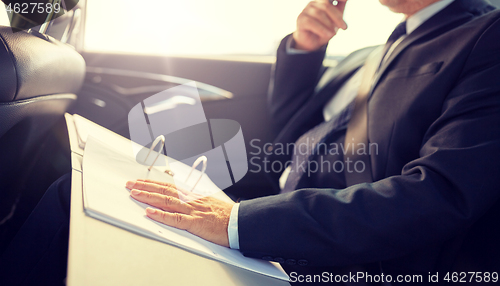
{"type": "Point", "coordinates": [293, 81]}
{"type": "Point", "coordinates": [435, 198]}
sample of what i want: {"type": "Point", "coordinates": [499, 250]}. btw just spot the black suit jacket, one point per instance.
{"type": "Point", "coordinates": [435, 115]}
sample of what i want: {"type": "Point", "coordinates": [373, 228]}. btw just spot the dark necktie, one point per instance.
{"type": "Point", "coordinates": [307, 145]}
{"type": "Point", "coordinates": [396, 34]}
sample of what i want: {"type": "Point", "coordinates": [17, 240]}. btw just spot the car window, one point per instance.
{"type": "Point", "coordinates": [220, 27]}
{"type": "Point", "coordinates": [4, 19]}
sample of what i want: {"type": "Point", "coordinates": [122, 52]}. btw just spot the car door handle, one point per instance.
{"type": "Point", "coordinates": [207, 92]}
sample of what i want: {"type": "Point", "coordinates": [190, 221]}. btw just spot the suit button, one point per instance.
{"type": "Point", "coordinates": [279, 260]}
{"type": "Point", "coordinates": [302, 262]}
{"type": "Point", "coordinates": [291, 261]}
{"type": "Point", "coordinates": [268, 258]}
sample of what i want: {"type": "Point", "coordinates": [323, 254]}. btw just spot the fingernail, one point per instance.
{"type": "Point", "coordinates": [136, 192]}
{"type": "Point", "coordinates": [130, 184]}
{"type": "Point", "coordinates": [150, 211]}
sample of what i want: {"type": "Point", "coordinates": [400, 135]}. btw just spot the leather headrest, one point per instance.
{"type": "Point", "coordinates": [33, 66]}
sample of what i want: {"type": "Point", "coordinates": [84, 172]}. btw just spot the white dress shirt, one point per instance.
{"type": "Point", "coordinates": [342, 98]}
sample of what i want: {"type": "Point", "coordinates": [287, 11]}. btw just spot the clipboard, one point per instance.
{"type": "Point", "coordinates": [111, 145]}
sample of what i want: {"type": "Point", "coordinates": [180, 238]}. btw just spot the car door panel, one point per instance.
{"type": "Point", "coordinates": [229, 89]}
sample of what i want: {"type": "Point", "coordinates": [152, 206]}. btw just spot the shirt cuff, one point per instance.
{"type": "Point", "coordinates": [232, 228]}
{"type": "Point", "coordinates": [292, 51]}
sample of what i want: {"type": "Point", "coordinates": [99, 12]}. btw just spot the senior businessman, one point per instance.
{"type": "Point", "coordinates": [425, 199]}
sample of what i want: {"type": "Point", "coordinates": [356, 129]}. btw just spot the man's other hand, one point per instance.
{"type": "Point", "coordinates": [318, 23]}
{"type": "Point", "coordinates": [205, 217]}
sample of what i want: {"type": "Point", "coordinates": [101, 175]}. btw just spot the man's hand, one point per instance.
{"type": "Point", "coordinates": [318, 23]}
{"type": "Point", "coordinates": [205, 217]}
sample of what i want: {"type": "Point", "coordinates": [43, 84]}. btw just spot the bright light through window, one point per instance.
{"type": "Point", "coordinates": [220, 27]}
{"type": "Point", "coordinates": [369, 24]}
{"type": "Point", "coordinates": [4, 18]}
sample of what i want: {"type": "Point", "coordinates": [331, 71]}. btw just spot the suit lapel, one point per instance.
{"type": "Point", "coordinates": [446, 19]}
{"type": "Point", "coordinates": [330, 82]}
{"type": "Point", "coordinates": [333, 78]}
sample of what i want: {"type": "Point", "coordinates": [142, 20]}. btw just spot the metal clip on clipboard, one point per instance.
{"type": "Point", "coordinates": [200, 159]}
{"type": "Point", "coordinates": [157, 140]}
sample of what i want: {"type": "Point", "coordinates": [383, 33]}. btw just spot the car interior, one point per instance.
{"type": "Point", "coordinates": [46, 72]}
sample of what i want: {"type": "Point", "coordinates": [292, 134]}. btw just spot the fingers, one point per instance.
{"type": "Point", "coordinates": [335, 14]}
{"type": "Point", "coordinates": [318, 23]}
{"type": "Point", "coordinates": [167, 203]}
{"type": "Point", "coordinates": [315, 24]}
{"type": "Point", "coordinates": [168, 185]}
{"type": "Point", "coordinates": [164, 189]}
{"type": "Point", "coordinates": [157, 182]}
{"type": "Point", "coordinates": [177, 220]}
{"type": "Point", "coordinates": [316, 12]}
{"type": "Point", "coordinates": [207, 218]}
{"type": "Point", "coordinates": [325, 14]}
{"type": "Point", "coordinates": [340, 5]}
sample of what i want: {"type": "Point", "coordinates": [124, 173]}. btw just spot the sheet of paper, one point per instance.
{"type": "Point", "coordinates": [83, 128]}
{"type": "Point", "coordinates": [106, 169]}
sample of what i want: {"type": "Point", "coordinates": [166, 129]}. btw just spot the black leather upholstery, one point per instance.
{"type": "Point", "coordinates": [39, 77]}
{"type": "Point", "coordinates": [33, 66]}
{"type": "Point", "coordinates": [14, 112]}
